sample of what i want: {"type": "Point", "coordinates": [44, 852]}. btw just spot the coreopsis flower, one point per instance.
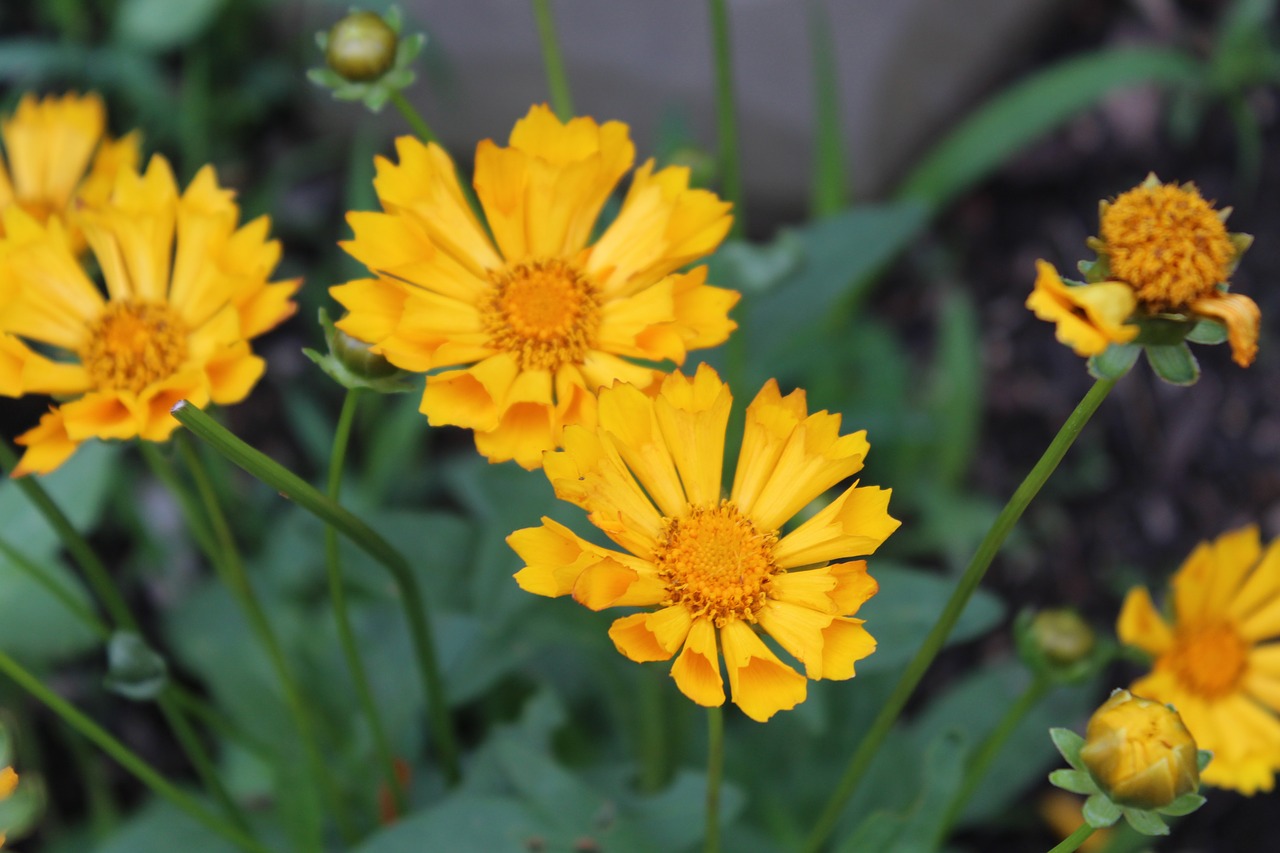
{"type": "Point", "coordinates": [714, 572]}
{"type": "Point", "coordinates": [1213, 661]}
{"type": "Point", "coordinates": [520, 330]}
{"type": "Point", "coordinates": [1140, 752]}
{"type": "Point", "coordinates": [185, 291]}
{"type": "Point", "coordinates": [58, 157]}
{"type": "Point", "coordinates": [1164, 260]}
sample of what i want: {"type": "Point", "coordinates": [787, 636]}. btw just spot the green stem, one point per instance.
{"type": "Point", "coordinates": [338, 592]}
{"type": "Point", "coordinates": [830, 180]}
{"type": "Point", "coordinates": [200, 710]}
{"type": "Point", "coordinates": [557, 80]}
{"type": "Point", "coordinates": [109, 594]}
{"type": "Point", "coordinates": [226, 559]}
{"type": "Point", "coordinates": [726, 122]}
{"type": "Point", "coordinates": [65, 596]}
{"type": "Point", "coordinates": [415, 119]}
{"type": "Point", "coordinates": [104, 814]}
{"type": "Point", "coordinates": [1074, 840]}
{"type": "Point", "coordinates": [715, 770]}
{"type": "Point", "coordinates": [163, 470]}
{"type": "Point", "coordinates": [125, 757]}
{"type": "Point", "coordinates": [104, 587]}
{"type": "Point", "coordinates": [991, 746]}
{"type": "Point", "coordinates": [302, 493]}
{"type": "Point", "coordinates": [937, 637]}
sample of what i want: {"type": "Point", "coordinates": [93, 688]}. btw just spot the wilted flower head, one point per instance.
{"type": "Point", "coordinates": [519, 330]}
{"type": "Point", "coordinates": [1164, 260]}
{"type": "Point", "coordinates": [719, 571]}
{"type": "Point", "coordinates": [1139, 752]}
{"type": "Point", "coordinates": [185, 291]}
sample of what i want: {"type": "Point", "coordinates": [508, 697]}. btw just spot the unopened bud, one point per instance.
{"type": "Point", "coordinates": [1140, 753]}
{"type": "Point", "coordinates": [362, 47]}
{"type": "Point", "coordinates": [1062, 636]}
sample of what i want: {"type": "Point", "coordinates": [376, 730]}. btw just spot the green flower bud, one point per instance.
{"type": "Point", "coordinates": [1062, 636]}
{"type": "Point", "coordinates": [362, 47]}
{"type": "Point", "coordinates": [351, 364]}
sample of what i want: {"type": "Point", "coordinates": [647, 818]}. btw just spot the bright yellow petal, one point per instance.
{"type": "Point", "coordinates": [24, 371]}
{"type": "Point", "coordinates": [1261, 587]}
{"type": "Point", "coordinates": [761, 684]}
{"type": "Point", "coordinates": [1089, 317]}
{"type": "Point", "coordinates": [232, 373]}
{"type": "Point", "coordinates": [55, 301]}
{"type": "Point", "coordinates": [132, 237]}
{"type": "Point", "coordinates": [853, 586]}
{"type": "Point", "coordinates": [50, 143]}
{"type": "Point", "coordinates": [854, 524]}
{"type": "Point", "coordinates": [1191, 583]}
{"type": "Point", "coordinates": [1141, 625]}
{"type": "Point", "coordinates": [844, 643]}
{"type": "Point", "coordinates": [103, 414]}
{"type": "Point", "coordinates": [798, 630]}
{"type": "Point", "coordinates": [1242, 318]}
{"type": "Point", "coordinates": [771, 418]}
{"type": "Point", "coordinates": [652, 636]}
{"type": "Point", "coordinates": [693, 414]}
{"type": "Point", "coordinates": [472, 398]}
{"type": "Point", "coordinates": [554, 556]}
{"type": "Point", "coordinates": [1235, 553]}
{"type": "Point", "coordinates": [610, 583]}
{"type": "Point", "coordinates": [158, 400]}
{"type": "Point", "coordinates": [627, 415]}
{"type": "Point", "coordinates": [697, 670]}
{"type": "Point", "coordinates": [396, 246]}
{"type": "Point", "coordinates": [525, 432]}
{"type": "Point", "coordinates": [48, 446]}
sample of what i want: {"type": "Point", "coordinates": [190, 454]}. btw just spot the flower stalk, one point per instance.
{"type": "Point", "coordinates": [557, 79]}
{"type": "Point", "coordinates": [715, 772]}
{"type": "Point", "coordinates": [968, 583]}
{"type": "Point", "coordinates": [1074, 840]}
{"type": "Point", "coordinates": [726, 115]}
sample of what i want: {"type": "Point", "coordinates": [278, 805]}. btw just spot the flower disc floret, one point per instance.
{"type": "Point", "coordinates": [1168, 243]}
{"type": "Point", "coordinates": [546, 313]}
{"type": "Point", "coordinates": [134, 344]}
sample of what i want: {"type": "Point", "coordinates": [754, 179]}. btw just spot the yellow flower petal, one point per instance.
{"type": "Point", "coordinates": [693, 414]}
{"type": "Point", "coordinates": [1241, 316]}
{"type": "Point", "coordinates": [761, 684]}
{"type": "Point", "coordinates": [857, 522]}
{"type": "Point", "coordinates": [48, 446]}
{"type": "Point", "coordinates": [628, 417]}
{"type": "Point", "coordinates": [654, 636]}
{"type": "Point", "coordinates": [554, 557]}
{"type": "Point", "coordinates": [798, 630]}
{"type": "Point", "coordinates": [1141, 625]}
{"type": "Point", "coordinates": [697, 670]}
{"type": "Point", "coordinates": [610, 583]}
{"type": "Point", "coordinates": [1089, 317]}
{"type": "Point", "coordinates": [844, 643]}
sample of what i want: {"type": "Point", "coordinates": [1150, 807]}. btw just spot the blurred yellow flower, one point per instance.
{"type": "Point", "coordinates": [59, 156]}
{"type": "Point", "coordinates": [1140, 753]}
{"type": "Point", "coordinates": [1212, 663]}
{"type": "Point", "coordinates": [8, 783]}
{"type": "Point", "coordinates": [185, 291]}
{"type": "Point", "coordinates": [720, 571]}
{"type": "Point", "coordinates": [1089, 317]}
{"type": "Point", "coordinates": [534, 319]}
{"type": "Point", "coordinates": [1063, 813]}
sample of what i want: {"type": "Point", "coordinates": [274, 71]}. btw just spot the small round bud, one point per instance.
{"type": "Point", "coordinates": [362, 47]}
{"type": "Point", "coordinates": [1062, 636]}
{"type": "Point", "coordinates": [357, 358]}
{"type": "Point", "coordinates": [1140, 753]}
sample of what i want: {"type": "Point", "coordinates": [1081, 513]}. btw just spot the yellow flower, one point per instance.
{"type": "Point", "coordinates": [1140, 753]}
{"type": "Point", "coordinates": [1213, 663]}
{"type": "Point", "coordinates": [60, 157]}
{"type": "Point", "coordinates": [185, 291]}
{"type": "Point", "coordinates": [1090, 317]}
{"type": "Point", "coordinates": [8, 784]}
{"type": "Point", "coordinates": [534, 320]}
{"type": "Point", "coordinates": [719, 571]}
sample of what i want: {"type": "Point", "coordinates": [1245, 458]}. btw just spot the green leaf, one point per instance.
{"type": "Point", "coordinates": [134, 670]}
{"type": "Point", "coordinates": [35, 626]}
{"type": "Point", "coordinates": [1174, 364]}
{"type": "Point", "coordinates": [1100, 812]}
{"type": "Point", "coordinates": [79, 488]}
{"type": "Point", "coordinates": [1022, 114]}
{"type": "Point", "coordinates": [955, 394]}
{"type": "Point", "coordinates": [1208, 332]}
{"type": "Point", "coordinates": [1148, 823]}
{"type": "Point", "coordinates": [905, 609]}
{"type": "Point", "coordinates": [1113, 362]}
{"type": "Point", "coordinates": [1069, 744]}
{"type": "Point", "coordinates": [1075, 781]}
{"type": "Point", "coordinates": [162, 828]}
{"type": "Point", "coordinates": [1184, 805]}
{"type": "Point", "coordinates": [464, 823]}
{"type": "Point", "coordinates": [160, 25]}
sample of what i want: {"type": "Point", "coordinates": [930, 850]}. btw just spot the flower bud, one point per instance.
{"type": "Point", "coordinates": [362, 47]}
{"type": "Point", "coordinates": [1062, 636]}
{"type": "Point", "coordinates": [1140, 753]}
{"type": "Point", "coordinates": [359, 359]}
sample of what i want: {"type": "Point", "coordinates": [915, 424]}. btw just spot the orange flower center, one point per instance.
{"type": "Point", "coordinates": [716, 563]}
{"type": "Point", "coordinates": [134, 344]}
{"type": "Point", "coordinates": [545, 312]}
{"type": "Point", "coordinates": [1210, 659]}
{"type": "Point", "coordinates": [1168, 243]}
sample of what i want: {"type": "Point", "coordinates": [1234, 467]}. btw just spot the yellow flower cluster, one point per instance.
{"type": "Point", "coordinates": [183, 287]}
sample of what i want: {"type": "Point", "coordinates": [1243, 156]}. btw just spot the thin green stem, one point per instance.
{"type": "Point", "coordinates": [415, 119]}
{"type": "Point", "coordinates": [226, 559]}
{"type": "Point", "coordinates": [306, 496]}
{"type": "Point", "coordinates": [992, 744]}
{"type": "Point", "coordinates": [557, 80]}
{"type": "Point", "coordinates": [1074, 840]}
{"type": "Point", "coordinates": [65, 597]}
{"type": "Point", "coordinates": [104, 814]}
{"type": "Point", "coordinates": [125, 757]}
{"type": "Point", "coordinates": [338, 593]}
{"type": "Point", "coordinates": [726, 118]}
{"type": "Point", "coordinates": [830, 179]}
{"type": "Point", "coordinates": [200, 710]}
{"type": "Point", "coordinates": [937, 637]}
{"type": "Point", "coordinates": [104, 587]}
{"type": "Point", "coordinates": [163, 470]}
{"type": "Point", "coordinates": [715, 771]}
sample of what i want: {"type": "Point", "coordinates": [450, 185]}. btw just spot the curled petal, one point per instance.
{"type": "Point", "coordinates": [1242, 318]}
{"type": "Point", "coordinates": [762, 685]}
{"type": "Point", "coordinates": [1089, 317]}
{"type": "Point", "coordinates": [653, 636]}
{"type": "Point", "coordinates": [48, 446]}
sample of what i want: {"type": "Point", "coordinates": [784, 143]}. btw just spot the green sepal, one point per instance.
{"type": "Point", "coordinates": [134, 670]}
{"type": "Point", "coordinates": [1100, 812]}
{"type": "Point", "coordinates": [1114, 361]}
{"type": "Point", "coordinates": [1096, 270]}
{"type": "Point", "coordinates": [1203, 757]}
{"type": "Point", "coordinates": [1209, 332]}
{"type": "Point", "coordinates": [1184, 805]}
{"type": "Point", "coordinates": [351, 365]}
{"type": "Point", "coordinates": [1069, 744]}
{"type": "Point", "coordinates": [1075, 781]}
{"type": "Point", "coordinates": [1241, 243]}
{"type": "Point", "coordinates": [1163, 329]}
{"type": "Point", "coordinates": [1148, 823]}
{"type": "Point", "coordinates": [1174, 364]}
